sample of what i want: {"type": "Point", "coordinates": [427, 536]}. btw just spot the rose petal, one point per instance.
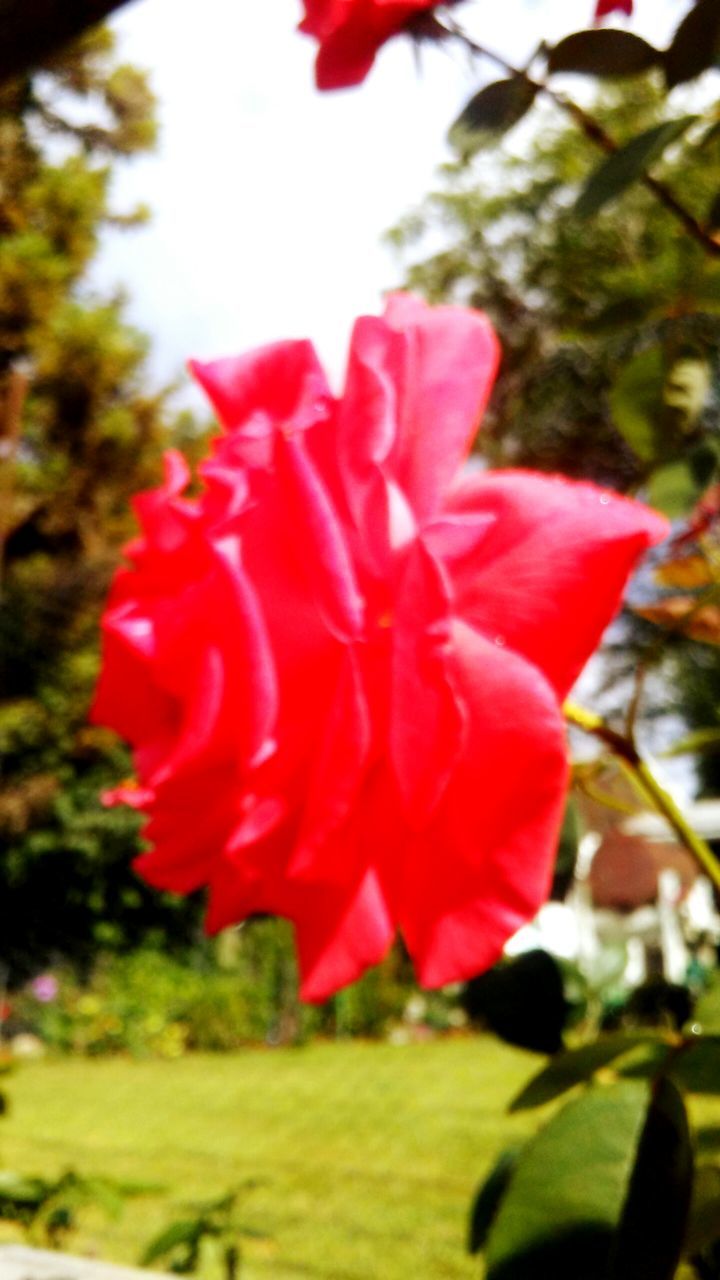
{"type": "Point", "coordinates": [500, 816]}
{"type": "Point", "coordinates": [551, 570]}
{"type": "Point", "coordinates": [336, 779]}
{"type": "Point", "coordinates": [336, 945]}
{"type": "Point", "coordinates": [351, 32]}
{"type": "Point", "coordinates": [450, 361]}
{"type": "Point", "coordinates": [427, 718]}
{"type": "Point", "coordinates": [278, 386]}
{"type": "Point", "coordinates": [325, 558]}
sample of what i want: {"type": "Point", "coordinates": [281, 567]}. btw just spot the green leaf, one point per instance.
{"type": "Point", "coordinates": [673, 489]}
{"type": "Point", "coordinates": [707, 1139]}
{"type": "Point", "coordinates": [697, 743]}
{"type": "Point", "coordinates": [566, 1196]}
{"type": "Point", "coordinates": [103, 1193]}
{"type": "Point", "coordinates": [712, 221]}
{"type": "Point", "coordinates": [651, 1232]}
{"type": "Point", "coordinates": [695, 45]}
{"type": "Point", "coordinates": [574, 1066]}
{"type": "Point", "coordinates": [603, 52]}
{"type": "Point", "coordinates": [645, 1065]}
{"type": "Point", "coordinates": [627, 164]}
{"type": "Point", "coordinates": [697, 1068]}
{"type": "Point", "coordinates": [489, 1196]}
{"type": "Point", "coordinates": [15, 1188]}
{"type": "Point", "coordinates": [707, 1008]}
{"type": "Point", "coordinates": [184, 1232]}
{"type": "Point", "coordinates": [636, 402]}
{"type": "Point", "coordinates": [522, 1000]}
{"type": "Point", "coordinates": [491, 112]}
{"type": "Point", "coordinates": [704, 1218]}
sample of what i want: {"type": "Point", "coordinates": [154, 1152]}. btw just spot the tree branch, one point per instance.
{"type": "Point", "coordinates": [598, 135]}
{"type": "Point", "coordinates": [33, 30]}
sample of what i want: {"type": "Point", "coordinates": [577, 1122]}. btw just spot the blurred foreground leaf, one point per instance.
{"type": "Point", "coordinates": [627, 164]}
{"type": "Point", "coordinates": [695, 45]}
{"type": "Point", "coordinates": [603, 52]}
{"type": "Point", "coordinates": [566, 1196]}
{"type": "Point", "coordinates": [577, 1066]}
{"type": "Point", "coordinates": [650, 1237]}
{"type": "Point", "coordinates": [491, 112]}
{"type": "Point", "coordinates": [488, 1199]}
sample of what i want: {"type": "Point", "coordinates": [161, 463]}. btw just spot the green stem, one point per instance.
{"type": "Point", "coordinates": [627, 752]}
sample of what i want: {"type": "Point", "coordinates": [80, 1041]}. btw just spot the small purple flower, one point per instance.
{"type": "Point", "coordinates": [45, 988]}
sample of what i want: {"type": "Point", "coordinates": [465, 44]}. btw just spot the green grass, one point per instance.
{"type": "Point", "coordinates": [365, 1155]}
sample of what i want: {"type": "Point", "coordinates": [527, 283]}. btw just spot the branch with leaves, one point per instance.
{"type": "Point", "coordinates": [603, 54]}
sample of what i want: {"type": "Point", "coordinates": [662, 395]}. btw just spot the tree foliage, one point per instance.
{"type": "Point", "coordinates": [79, 434]}
{"type": "Point", "coordinates": [574, 301]}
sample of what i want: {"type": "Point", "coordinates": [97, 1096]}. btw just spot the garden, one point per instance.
{"type": "Point", "coordinates": [359, 691]}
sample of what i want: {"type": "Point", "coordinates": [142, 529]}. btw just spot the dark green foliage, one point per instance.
{"type": "Point", "coordinates": [522, 1000]}
{"type": "Point", "coordinates": [489, 1198]}
{"type": "Point", "coordinates": [651, 1232]}
{"type": "Point", "coordinates": [695, 45]}
{"type": "Point", "coordinates": [491, 112]}
{"type": "Point", "coordinates": [623, 167]}
{"type": "Point", "coordinates": [47, 1208]}
{"type": "Point", "coordinates": [576, 1066]}
{"type": "Point", "coordinates": [603, 52]}
{"type": "Point", "coordinates": [608, 1188]}
{"type": "Point", "coordinates": [218, 997]}
{"type": "Point", "coordinates": [80, 434]}
{"type": "Point", "coordinates": [566, 1196]}
{"type": "Point", "coordinates": [574, 303]}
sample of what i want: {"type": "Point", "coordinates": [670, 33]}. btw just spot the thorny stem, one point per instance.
{"type": "Point", "coordinates": [597, 134]}
{"type": "Point", "coordinates": [626, 751]}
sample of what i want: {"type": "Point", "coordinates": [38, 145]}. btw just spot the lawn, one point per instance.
{"type": "Point", "coordinates": [365, 1156]}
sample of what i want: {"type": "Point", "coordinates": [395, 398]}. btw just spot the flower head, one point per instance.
{"type": "Point", "coordinates": [350, 32]}
{"type": "Point", "coordinates": [45, 988]}
{"type": "Point", "coordinates": [341, 666]}
{"type": "Point", "coordinates": [605, 7]}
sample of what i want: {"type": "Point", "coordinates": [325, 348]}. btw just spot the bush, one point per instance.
{"type": "Point", "coordinates": [239, 990]}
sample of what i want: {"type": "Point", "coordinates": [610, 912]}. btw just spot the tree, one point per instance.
{"type": "Point", "coordinates": [573, 300]}
{"type": "Point", "coordinates": [80, 434]}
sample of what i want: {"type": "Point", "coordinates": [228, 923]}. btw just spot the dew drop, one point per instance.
{"type": "Point", "coordinates": [604, 499]}
{"type": "Point", "coordinates": [500, 642]}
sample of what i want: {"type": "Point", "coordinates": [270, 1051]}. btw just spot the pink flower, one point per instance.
{"type": "Point", "coordinates": [341, 666]}
{"type": "Point", "coordinates": [45, 988]}
{"type": "Point", "coordinates": [604, 7]}
{"type": "Point", "coordinates": [350, 32]}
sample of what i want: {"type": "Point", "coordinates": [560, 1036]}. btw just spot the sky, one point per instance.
{"type": "Point", "coordinates": [270, 199]}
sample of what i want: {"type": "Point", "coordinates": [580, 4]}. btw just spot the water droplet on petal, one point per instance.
{"type": "Point", "coordinates": [500, 642]}
{"type": "Point", "coordinates": [605, 499]}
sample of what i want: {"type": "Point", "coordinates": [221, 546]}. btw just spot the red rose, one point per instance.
{"type": "Point", "coordinates": [341, 666]}
{"type": "Point", "coordinates": [604, 7]}
{"type": "Point", "coordinates": [350, 33]}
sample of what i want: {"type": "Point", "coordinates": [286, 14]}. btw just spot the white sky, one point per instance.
{"type": "Point", "coordinates": [269, 199]}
